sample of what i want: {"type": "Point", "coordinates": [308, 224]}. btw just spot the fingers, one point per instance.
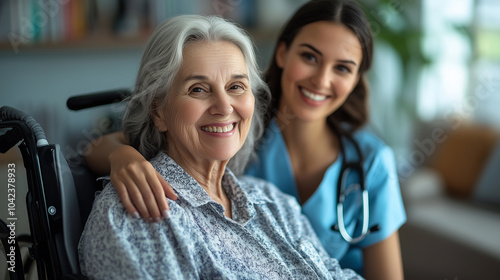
{"type": "Point", "coordinates": [125, 199]}
{"type": "Point", "coordinates": [154, 197]}
{"type": "Point", "coordinates": [130, 194]}
{"type": "Point", "coordinates": [157, 182]}
{"type": "Point", "coordinates": [169, 192]}
{"type": "Point", "coordinates": [141, 190]}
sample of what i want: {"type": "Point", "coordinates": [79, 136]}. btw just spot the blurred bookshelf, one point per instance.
{"type": "Point", "coordinates": [87, 24]}
{"type": "Point", "coordinates": [82, 24]}
{"type": "Point", "coordinates": [61, 24]}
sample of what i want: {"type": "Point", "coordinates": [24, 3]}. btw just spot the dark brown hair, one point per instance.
{"type": "Point", "coordinates": [354, 111]}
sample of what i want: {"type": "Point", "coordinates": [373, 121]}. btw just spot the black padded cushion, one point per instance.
{"type": "Point", "coordinates": [86, 185]}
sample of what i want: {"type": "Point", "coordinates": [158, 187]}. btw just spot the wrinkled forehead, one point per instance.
{"type": "Point", "coordinates": [212, 58]}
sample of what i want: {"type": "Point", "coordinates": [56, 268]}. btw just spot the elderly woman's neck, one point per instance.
{"type": "Point", "coordinates": [209, 176]}
{"type": "Point", "coordinates": [207, 173]}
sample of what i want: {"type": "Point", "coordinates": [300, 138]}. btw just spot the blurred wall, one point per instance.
{"type": "Point", "coordinates": [40, 81]}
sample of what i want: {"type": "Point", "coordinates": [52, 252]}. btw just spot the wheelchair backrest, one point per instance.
{"type": "Point", "coordinates": [58, 205]}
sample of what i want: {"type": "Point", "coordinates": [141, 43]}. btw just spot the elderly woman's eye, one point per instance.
{"type": "Point", "coordinates": [197, 91]}
{"type": "Point", "coordinates": [237, 88]}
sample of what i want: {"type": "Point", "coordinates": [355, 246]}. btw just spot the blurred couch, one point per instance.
{"type": "Point", "coordinates": [452, 200]}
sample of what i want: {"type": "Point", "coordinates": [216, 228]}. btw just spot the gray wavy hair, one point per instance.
{"type": "Point", "coordinates": [160, 64]}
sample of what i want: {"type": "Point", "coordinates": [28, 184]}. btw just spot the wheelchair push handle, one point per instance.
{"type": "Point", "coordinates": [85, 101]}
{"type": "Point", "coordinates": [11, 114]}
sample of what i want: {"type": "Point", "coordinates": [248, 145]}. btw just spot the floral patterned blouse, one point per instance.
{"type": "Point", "coordinates": [267, 238]}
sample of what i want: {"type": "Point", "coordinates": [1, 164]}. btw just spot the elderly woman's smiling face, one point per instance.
{"type": "Point", "coordinates": [210, 104]}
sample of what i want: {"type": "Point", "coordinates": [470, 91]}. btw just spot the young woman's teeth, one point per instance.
{"type": "Point", "coordinates": [218, 129]}
{"type": "Point", "coordinates": [313, 96]}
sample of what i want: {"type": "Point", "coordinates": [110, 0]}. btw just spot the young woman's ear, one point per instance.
{"type": "Point", "coordinates": [281, 52]}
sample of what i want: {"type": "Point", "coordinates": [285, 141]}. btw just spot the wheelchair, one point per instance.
{"type": "Point", "coordinates": [59, 197]}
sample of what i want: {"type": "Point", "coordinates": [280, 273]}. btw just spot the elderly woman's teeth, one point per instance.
{"type": "Point", "coordinates": [218, 129]}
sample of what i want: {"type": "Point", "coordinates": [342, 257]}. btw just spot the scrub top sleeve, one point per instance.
{"type": "Point", "coordinates": [386, 203]}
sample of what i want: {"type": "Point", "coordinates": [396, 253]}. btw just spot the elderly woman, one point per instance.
{"type": "Point", "coordinates": [191, 115]}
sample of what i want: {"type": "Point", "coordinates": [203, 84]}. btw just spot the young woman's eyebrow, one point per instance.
{"type": "Point", "coordinates": [312, 48]}
{"type": "Point", "coordinates": [347, 61]}
{"type": "Point", "coordinates": [320, 53]}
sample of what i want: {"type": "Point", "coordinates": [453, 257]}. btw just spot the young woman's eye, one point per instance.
{"type": "Point", "coordinates": [344, 69]}
{"type": "Point", "coordinates": [309, 57]}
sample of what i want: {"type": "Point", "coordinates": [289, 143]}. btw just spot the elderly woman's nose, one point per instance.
{"type": "Point", "coordinates": [221, 104]}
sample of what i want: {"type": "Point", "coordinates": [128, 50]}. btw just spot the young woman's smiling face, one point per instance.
{"type": "Point", "coordinates": [210, 104]}
{"type": "Point", "coordinates": [320, 69]}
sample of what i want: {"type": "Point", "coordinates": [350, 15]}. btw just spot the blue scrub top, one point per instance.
{"type": "Point", "coordinates": [385, 202]}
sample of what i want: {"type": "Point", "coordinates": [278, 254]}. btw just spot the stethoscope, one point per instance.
{"type": "Point", "coordinates": [343, 190]}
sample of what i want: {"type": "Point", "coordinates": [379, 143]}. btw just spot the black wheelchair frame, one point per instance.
{"type": "Point", "coordinates": [59, 197]}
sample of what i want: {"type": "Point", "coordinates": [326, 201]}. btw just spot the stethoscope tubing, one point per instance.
{"type": "Point", "coordinates": [342, 189]}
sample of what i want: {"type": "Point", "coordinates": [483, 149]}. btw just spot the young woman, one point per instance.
{"type": "Point", "coordinates": [320, 96]}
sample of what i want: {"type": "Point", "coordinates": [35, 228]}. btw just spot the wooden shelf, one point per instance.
{"type": "Point", "coordinates": [112, 41]}
{"type": "Point", "coordinates": [93, 41]}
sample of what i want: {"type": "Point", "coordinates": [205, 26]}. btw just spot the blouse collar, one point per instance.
{"type": "Point", "coordinates": [243, 194]}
